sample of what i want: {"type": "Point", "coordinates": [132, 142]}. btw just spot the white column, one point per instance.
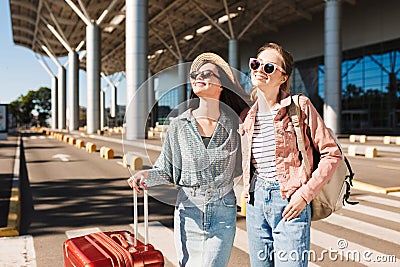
{"type": "Point", "coordinates": [333, 65]}
{"type": "Point", "coordinates": [54, 103]}
{"type": "Point", "coordinates": [113, 107]}
{"type": "Point", "coordinates": [102, 109]}
{"type": "Point", "coordinates": [93, 67]}
{"type": "Point", "coordinates": [73, 90]}
{"type": "Point", "coordinates": [62, 98]}
{"type": "Point", "coordinates": [136, 67]}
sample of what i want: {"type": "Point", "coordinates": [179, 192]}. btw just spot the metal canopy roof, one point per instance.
{"type": "Point", "coordinates": [174, 26]}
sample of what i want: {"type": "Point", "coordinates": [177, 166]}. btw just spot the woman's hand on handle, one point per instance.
{"type": "Point", "coordinates": [137, 181]}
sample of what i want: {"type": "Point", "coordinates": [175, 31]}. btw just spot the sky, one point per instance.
{"type": "Point", "coordinates": [21, 72]}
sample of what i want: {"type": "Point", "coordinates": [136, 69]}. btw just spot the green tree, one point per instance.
{"type": "Point", "coordinates": [42, 101]}
{"type": "Point", "coordinates": [33, 108]}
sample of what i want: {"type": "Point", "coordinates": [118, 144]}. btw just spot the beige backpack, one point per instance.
{"type": "Point", "coordinates": [337, 191]}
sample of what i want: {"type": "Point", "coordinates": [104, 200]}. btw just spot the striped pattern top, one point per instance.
{"type": "Point", "coordinates": [263, 146]}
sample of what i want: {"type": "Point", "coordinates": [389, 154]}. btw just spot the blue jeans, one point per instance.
{"type": "Point", "coordinates": [272, 240]}
{"type": "Point", "coordinates": [204, 229]}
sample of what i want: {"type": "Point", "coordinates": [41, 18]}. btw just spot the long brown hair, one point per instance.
{"type": "Point", "coordinates": [232, 95]}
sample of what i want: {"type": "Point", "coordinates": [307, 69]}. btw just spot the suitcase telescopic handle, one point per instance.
{"type": "Point", "coordinates": [146, 215]}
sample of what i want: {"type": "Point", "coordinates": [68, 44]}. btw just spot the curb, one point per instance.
{"type": "Point", "coordinates": [373, 188]}
{"type": "Point", "coordinates": [14, 211]}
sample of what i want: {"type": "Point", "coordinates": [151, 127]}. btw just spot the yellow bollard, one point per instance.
{"type": "Point", "coordinates": [132, 161]}
{"type": "Point", "coordinates": [106, 153]}
{"type": "Point", "coordinates": [79, 143]}
{"type": "Point", "coordinates": [90, 147]}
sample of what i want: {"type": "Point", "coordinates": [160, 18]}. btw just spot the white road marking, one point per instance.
{"type": "Point", "coordinates": [62, 157]}
{"type": "Point", "coordinates": [396, 194]}
{"type": "Point", "coordinates": [365, 228]}
{"type": "Point", "coordinates": [17, 251]}
{"type": "Point", "coordinates": [241, 241]}
{"type": "Point", "coordinates": [375, 212]}
{"type": "Point", "coordinates": [346, 250]}
{"type": "Point", "coordinates": [381, 200]}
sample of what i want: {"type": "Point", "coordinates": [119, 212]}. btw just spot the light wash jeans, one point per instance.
{"type": "Point", "coordinates": [204, 228]}
{"type": "Point", "coordinates": [272, 240]}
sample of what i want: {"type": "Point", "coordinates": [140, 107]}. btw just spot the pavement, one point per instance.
{"type": "Point", "coordinates": [62, 176]}
{"type": "Point", "coordinates": [381, 176]}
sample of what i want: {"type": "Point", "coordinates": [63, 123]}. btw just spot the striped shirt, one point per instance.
{"type": "Point", "coordinates": [263, 146]}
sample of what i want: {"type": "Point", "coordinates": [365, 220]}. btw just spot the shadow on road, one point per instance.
{"type": "Point", "coordinates": [85, 203]}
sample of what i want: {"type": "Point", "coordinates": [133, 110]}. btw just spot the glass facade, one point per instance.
{"type": "Point", "coordinates": [370, 89]}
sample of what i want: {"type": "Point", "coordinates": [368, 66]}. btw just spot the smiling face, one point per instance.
{"type": "Point", "coordinates": [263, 80]}
{"type": "Point", "coordinates": [206, 83]}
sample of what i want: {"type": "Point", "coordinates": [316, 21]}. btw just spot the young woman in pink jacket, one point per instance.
{"type": "Point", "coordinates": [276, 186]}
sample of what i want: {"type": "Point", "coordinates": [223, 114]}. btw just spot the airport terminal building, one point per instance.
{"type": "Point", "coordinates": [347, 52]}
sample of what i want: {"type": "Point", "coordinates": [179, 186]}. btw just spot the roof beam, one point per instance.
{"type": "Point", "coordinates": [39, 9]}
{"type": "Point", "coordinates": [85, 19]}
{"type": "Point", "coordinates": [57, 35]}
{"type": "Point", "coordinates": [23, 18]}
{"type": "Point", "coordinates": [24, 4]}
{"type": "Point", "coordinates": [164, 43]}
{"type": "Point", "coordinates": [156, 17]}
{"type": "Point", "coordinates": [44, 65]}
{"type": "Point", "coordinates": [189, 54]}
{"type": "Point", "coordinates": [84, 9]}
{"type": "Point", "coordinates": [292, 6]}
{"type": "Point", "coordinates": [174, 37]}
{"type": "Point", "coordinates": [53, 18]}
{"type": "Point", "coordinates": [210, 19]}
{"type": "Point", "coordinates": [229, 19]}
{"type": "Point", "coordinates": [22, 29]}
{"type": "Point", "coordinates": [105, 12]}
{"type": "Point", "coordinates": [254, 19]}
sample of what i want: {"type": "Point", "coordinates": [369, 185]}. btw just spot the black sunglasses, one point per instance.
{"type": "Point", "coordinates": [205, 74]}
{"type": "Point", "coordinates": [268, 67]}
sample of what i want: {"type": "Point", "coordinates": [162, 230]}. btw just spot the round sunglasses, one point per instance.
{"type": "Point", "coordinates": [205, 74]}
{"type": "Point", "coordinates": [268, 67]}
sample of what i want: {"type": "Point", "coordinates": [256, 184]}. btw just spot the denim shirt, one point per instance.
{"type": "Point", "coordinates": [292, 175]}
{"type": "Point", "coordinates": [185, 160]}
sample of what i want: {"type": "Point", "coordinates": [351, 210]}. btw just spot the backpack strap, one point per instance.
{"type": "Point", "coordinates": [294, 114]}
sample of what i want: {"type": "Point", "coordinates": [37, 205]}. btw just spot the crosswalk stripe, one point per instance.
{"type": "Point", "coordinates": [351, 252]}
{"type": "Point", "coordinates": [384, 214]}
{"type": "Point", "coordinates": [396, 194]}
{"type": "Point", "coordinates": [241, 240]}
{"type": "Point", "coordinates": [81, 232]}
{"type": "Point", "coordinates": [381, 200]}
{"type": "Point", "coordinates": [162, 238]}
{"type": "Point", "coordinates": [17, 251]}
{"type": "Point", "coordinates": [365, 228]}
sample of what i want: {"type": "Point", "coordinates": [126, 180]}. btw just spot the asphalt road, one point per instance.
{"type": "Point", "coordinates": [74, 190]}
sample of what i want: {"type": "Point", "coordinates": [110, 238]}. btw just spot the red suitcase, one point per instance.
{"type": "Point", "coordinates": [119, 248]}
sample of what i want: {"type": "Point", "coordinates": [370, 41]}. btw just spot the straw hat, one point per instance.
{"type": "Point", "coordinates": [209, 57]}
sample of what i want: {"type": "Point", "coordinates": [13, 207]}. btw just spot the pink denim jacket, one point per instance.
{"type": "Point", "coordinates": [291, 172]}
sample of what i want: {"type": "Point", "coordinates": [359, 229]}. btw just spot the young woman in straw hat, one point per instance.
{"type": "Point", "coordinates": [276, 185]}
{"type": "Point", "coordinates": [201, 155]}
